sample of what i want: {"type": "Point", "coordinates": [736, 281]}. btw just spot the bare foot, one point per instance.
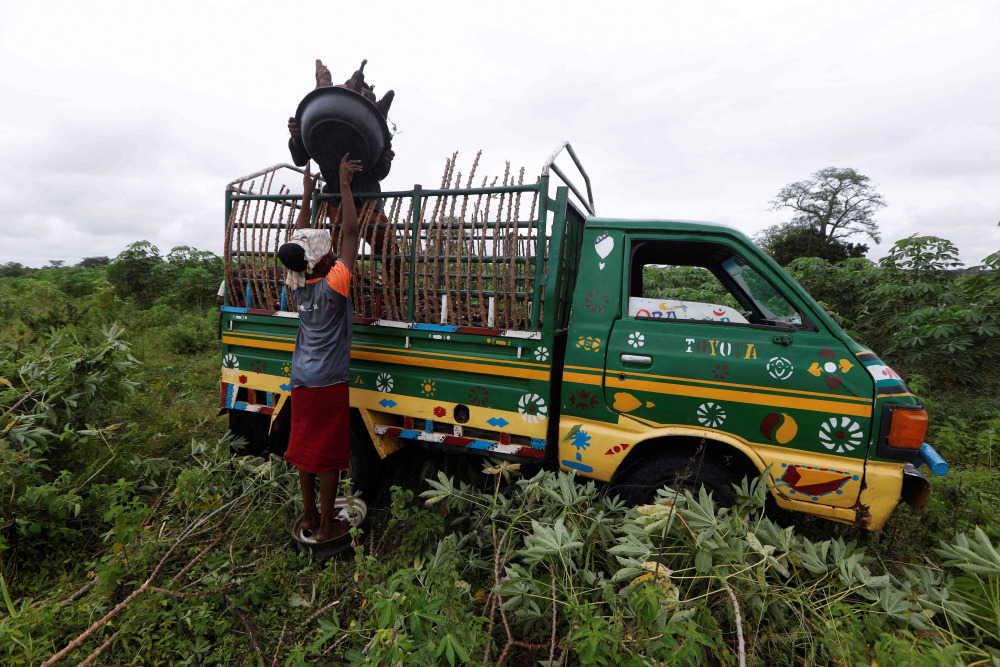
{"type": "Point", "coordinates": [336, 530]}
{"type": "Point", "coordinates": [309, 521]}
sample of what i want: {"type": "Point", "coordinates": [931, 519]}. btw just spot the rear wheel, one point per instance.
{"type": "Point", "coordinates": [639, 482]}
{"type": "Point", "coordinates": [366, 465]}
{"type": "Point", "coordinates": [252, 427]}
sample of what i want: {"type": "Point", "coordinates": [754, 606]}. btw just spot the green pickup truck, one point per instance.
{"type": "Point", "coordinates": [510, 321]}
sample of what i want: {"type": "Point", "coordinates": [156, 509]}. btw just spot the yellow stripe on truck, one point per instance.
{"type": "Point", "coordinates": [257, 342]}
{"type": "Point", "coordinates": [751, 397]}
{"type": "Point", "coordinates": [812, 404]}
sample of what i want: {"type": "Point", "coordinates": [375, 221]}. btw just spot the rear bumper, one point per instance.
{"type": "Point", "coordinates": [916, 489]}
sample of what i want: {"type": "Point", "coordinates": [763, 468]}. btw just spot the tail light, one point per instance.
{"type": "Point", "coordinates": [908, 427]}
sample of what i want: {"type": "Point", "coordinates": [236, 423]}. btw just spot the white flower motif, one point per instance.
{"type": "Point", "coordinates": [230, 364]}
{"type": "Point", "coordinates": [780, 368]}
{"type": "Point", "coordinates": [383, 382]}
{"type": "Point", "coordinates": [542, 354]}
{"type": "Point", "coordinates": [532, 408]}
{"type": "Point", "coordinates": [842, 438]}
{"type": "Point", "coordinates": [636, 339]}
{"type": "Point", "coordinates": [711, 414]}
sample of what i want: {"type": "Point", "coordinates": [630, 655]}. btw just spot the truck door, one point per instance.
{"type": "Point", "coordinates": [709, 346]}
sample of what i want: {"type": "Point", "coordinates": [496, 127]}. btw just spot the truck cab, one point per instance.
{"type": "Point", "coordinates": [689, 347]}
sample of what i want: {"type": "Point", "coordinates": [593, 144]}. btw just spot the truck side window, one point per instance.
{"type": "Point", "coordinates": [768, 301]}
{"type": "Point", "coordinates": [703, 282]}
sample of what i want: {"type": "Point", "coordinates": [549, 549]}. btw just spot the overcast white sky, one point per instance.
{"type": "Point", "coordinates": [124, 121]}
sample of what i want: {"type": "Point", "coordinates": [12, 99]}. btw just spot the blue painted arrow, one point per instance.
{"type": "Point", "coordinates": [497, 422]}
{"type": "Point", "coordinates": [387, 403]}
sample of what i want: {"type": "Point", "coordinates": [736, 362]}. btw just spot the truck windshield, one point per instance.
{"type": "Point", "coordinates": [771, 304]}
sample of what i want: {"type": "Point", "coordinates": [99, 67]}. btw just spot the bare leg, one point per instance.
{"type": "Point", "coordinates": [328, 496]}
{"type": "Point", "coordinates": [307, 481]}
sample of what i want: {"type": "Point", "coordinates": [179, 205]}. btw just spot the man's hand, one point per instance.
{"type": "Point", "coordinates": [347, 170]}
{"type": "Point", "coordinates": [384, 164]}
{"type": "Point", "coordinates": [293, 127]}
{"type": "Point", "coordinates": [308, 181]}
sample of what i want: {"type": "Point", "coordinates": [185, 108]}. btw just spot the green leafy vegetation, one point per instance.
{"type": "Point", "coordinates": [916, 308]}
{"type": "Point", "coordinates": [788, 242]}
{"type": "Point", "coordinates": [128, 532]}
{"type": "Point", "coordinates": [685, 283]}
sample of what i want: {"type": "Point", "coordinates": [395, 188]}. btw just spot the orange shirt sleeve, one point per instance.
{"type": "Point", "coordinates": [339, 278]}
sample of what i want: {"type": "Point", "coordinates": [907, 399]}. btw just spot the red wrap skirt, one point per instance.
{"type": "Point", "coordinates": [321, 435]}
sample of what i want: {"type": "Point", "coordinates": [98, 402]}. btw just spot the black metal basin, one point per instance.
{"type": "Point", "coordinates": [334, 121]}
{"type": "Point", "coordinates": [353, 510]}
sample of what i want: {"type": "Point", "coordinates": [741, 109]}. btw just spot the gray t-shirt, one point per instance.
{"type": "Point", "coordinates": [322, 354]}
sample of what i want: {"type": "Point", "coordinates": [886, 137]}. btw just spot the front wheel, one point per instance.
{"type": "Point", "coordinates": [639, 482]}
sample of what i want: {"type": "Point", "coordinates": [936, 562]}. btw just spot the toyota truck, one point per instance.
{"type": "Point", "coordinates": [511, 321]}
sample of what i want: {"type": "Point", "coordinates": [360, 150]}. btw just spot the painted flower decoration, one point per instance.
{"type": "Point", "coordinates": [541, 354]}
{"type": "Point", "coordinates": [428, 387]}
{"type": "Point", "coordinates": [636, 339]}
{"type": "Point", "coordinates": [829, 368]}
{"type": "Point", "coordinates": [286, 370]}
{"type": "Point", "coordinates": [258, 366]}
{"type": "Point", "coordinates": [383, 383]}
{"type": "Point", "coordinates": [842, 437]}
{"type": "Point", "coordinates": [243, 379]}
{"type": "Point", "coordinates": [596, 302]}
{"type": "Point", "coordinates": [720, 371]}
{"type": "Point", "coordinates": [583, 400]}
{"type": "Point", "coordinates": [581, 440]}
{"type": "Point", "coordinates": [532, 408]}
{"type": "Point", "coordinates": [711, 414]}
{"type": "Point", "coordinates": [231, 364]}
{"type": "Point", "coordinates": [780, 368]}
{"type": "Point", "coordinates": [439, 412]}
{"type": "Point", "coordinates": [479, 395]}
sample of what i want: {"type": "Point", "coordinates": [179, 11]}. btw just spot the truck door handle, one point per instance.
{"type": "Point", "coordinates": [640, 359]}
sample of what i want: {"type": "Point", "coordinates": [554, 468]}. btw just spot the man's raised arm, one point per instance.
{"type": "Point", "coordinates": [305, 209]}
{"type": "Point", "coordinates": [349, 219]}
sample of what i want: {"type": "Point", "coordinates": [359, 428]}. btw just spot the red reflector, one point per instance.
{"type": "Point", "coordinates": [908, 428]}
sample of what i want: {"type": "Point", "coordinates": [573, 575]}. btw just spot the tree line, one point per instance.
{"type": "Point", "coordinates": [185, 275]}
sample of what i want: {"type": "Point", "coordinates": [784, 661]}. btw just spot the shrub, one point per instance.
{"type": "Point", "coordinates": [135, 273]}
{"type": "Point", "coordinates": [192, 334]}
{"type": "Point", "coordinates": [14, 270]}
{"type": "Point", "coordinates": [194, 277]}
{"type": "Point", "coordinates": [187, 277]}
{"type": "Point", "coordinates": [92, 262]}
{"type": "Point", "coordinates": [60, 395]}
{"type": "Point", "coordinates": [915, 309]}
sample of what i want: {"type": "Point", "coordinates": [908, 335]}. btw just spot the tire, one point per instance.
{"type": "Point", "coordinates": [366, 469]}
{"type": "Point", "coordinates": [638, 483]}
{"type": "Point", "coordinates": [252, 427]}
{"type": "Point", "coordinates": [281, 432]}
